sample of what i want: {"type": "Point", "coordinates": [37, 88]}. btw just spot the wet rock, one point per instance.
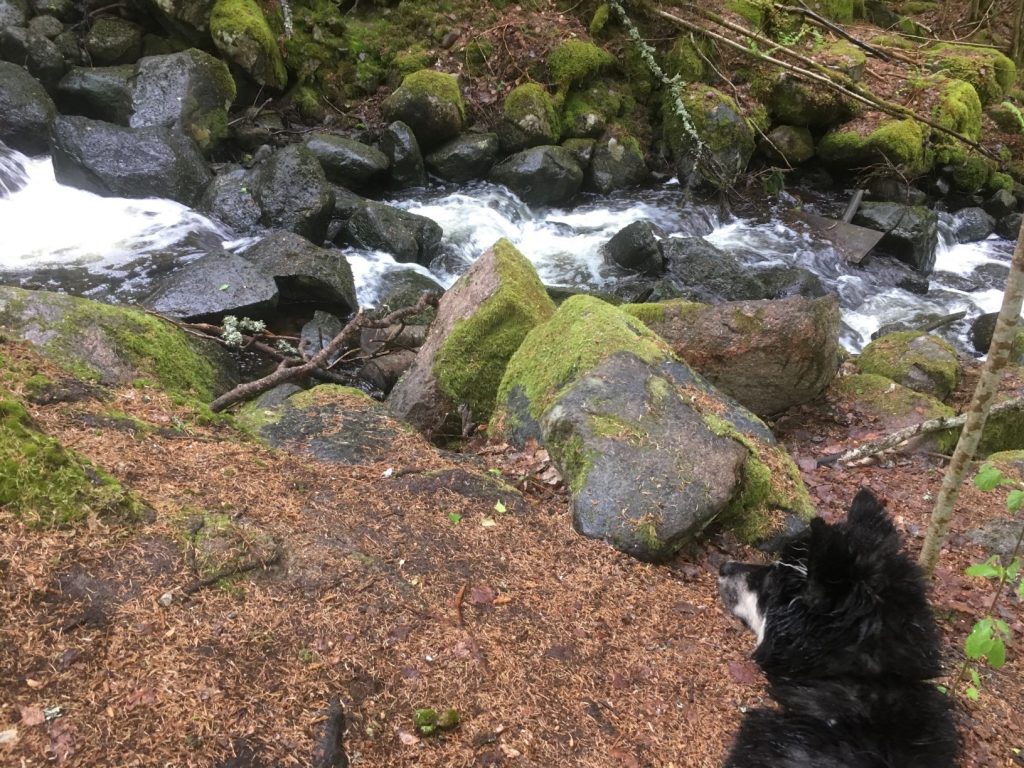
{"type": "Point", "coordinates": [212, 286]}
{"type": "Point", "coordinates": [408, 237]}
{"type": "Point", "coordinates": [919, 361]}
{"type": "Point", "coordinates": [112, 40]}
{"type": "Point", "coordinates": [384, 371]}
{"type": "Point", "coordinates": [26, 111]}
{"type": "Point", "coordinates": [1009, 226]}
{"type": "Point", "coordinates": [480, 323]}
{"type": "Point", "coordinates": [350, 163]}
{"type": "Point", "coordinates": [100, 93]}
{"type": "Point", "coordinates": [971, 225]}
{"type": "Point", "coordinates": [726, 133]}
{"type": "Point", "coordinates": [399, 145]}
{"type": "Point", "coordinates": [782, 282]}
{"type": "Point", "coordinates": [615, 164]}
{"type": "Point", "coordinates": [402, 288]}
{"type": "Point", "coordinates": [228, 199]}
{"type": "Point", "coordinates": [240, 31]}
{"type": "Point", "coordinates": [305, 273]}
{"type": "Point", "coordinates": [912, 232]}
{"type": "Point", "coordinates": [127, 162]}
{"type": "Point", "coordinates": [787, 145]}
{"type": "Point", "coordinates": [292, 193]}
{"type": "Point", "coordinates": [47, 26]}
{"type": "Point", "coordinates": [889, 189]}
{"type": "Point", "coordinates": [318, 333]}
{"type": "Point", "coordinates": [430, 104]}
{"type": "Point", "coordinates": [1001, 203]}
{"type": "Point", "coordinates": [13, 13]}
{"type": "Point", "coordinates": [40, 56]}
{"type": "Point", "coordinates": [702, 272]}
{"type": "Point", "coordinates": [467, 157]}
{"type": "Point", "coordinates": [529, 119]}
{"type": "Point", "coordinates": [637, 247]}
{"type": "Point", "coordinates": [767, 355]}
{"type": "Point", "coordinates": [544, 175]}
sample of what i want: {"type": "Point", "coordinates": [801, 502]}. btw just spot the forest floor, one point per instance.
{"type": "Point", "coordinates": [401, 585]}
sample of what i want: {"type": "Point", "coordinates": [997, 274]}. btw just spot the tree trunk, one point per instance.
{"type": "Point", "coordinates": [1018, 35]}
{"type": "Point", "coordinates": [967, 445]}
{"type": "Point", "coordinates": [973, 11]}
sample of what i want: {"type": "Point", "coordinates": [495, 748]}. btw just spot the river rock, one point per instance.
{"type": "Point", "coordinates": [26, 111]}
{"type": "Point", "coordinates": [912, 232]}
{"type": "Point", "coordinates": [795, 101]}
{"type": "Point", "coordinates": [64, 10]}
{"type": "Point", "coordinates": [348, 162]}
{"type": "Point", "coordinates": [1009, 226]}
{"type": "Point", "coordinates": [787, 145]}
{"type": "Point", "coordinates": [467, 157]}
{"type": "Point", "coordinates": [112, 40]}
{"type": "Point", "coordinates": [637, 247]}
{"type": "Point", "coordinates": [480, 323]}
{"type": "Point", "coordinates": [40, 56]}
{"type": "Point", "coordinates": [128, 162]}
{"type": "Point", "coordinates": [702, 272]}
{"type": "Point", "coordinates": [240, 31]}
{"type": "Point", "coordinates": [430, 103]}
{"type": "Point", "coordinates": [972, 224]}
{"type": "Point", "coordinates": [615, 164]}
{"type": "Point", "coordinates": [767, 355]}
{"type": "Point", "coordinates": [329, 423]}
{"type": "Point", "coordinates": [919, 361]}
{"type": "Point", "coordinates": [399, 145]}
{"type": "Point", "coordinates": [47, 26]}
{"type": "Point", "coordinates": [116, 345]}
{"type": "Point", "coordinates": [100, 93]}
{"type": "Point", "coordinates": [305, 273]}
{"type": "Point", "coordinates": [401, 288]}
{"type": "Point", "coordinates": [406, 236]}
{"type": "Point", "coordinates": [727, 135]}
{"type": "Point", "coordinates": [528, 119]}
{"type": "Point", "coordinates": [228, 198]}
{"type": "Point", "coordinates": [1001, 203]}
{"type": "Point", "coordinates": [212, 286]}
{"type": "Point", "coordinates": [13, 13]}
{"type": "Point", "coordinates": [893, 189]}
{"type": "Point", "coordinates": [292, 193]}
{"type": "Point", "coordinates": [650, 452]}
{"type": "Point", "coordinates": [782, 282]}
{"type": "Point", "coordinates": [544, 175]}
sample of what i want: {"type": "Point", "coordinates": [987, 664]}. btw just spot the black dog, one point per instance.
{"type": "Point", "coordinates": [848, 643]}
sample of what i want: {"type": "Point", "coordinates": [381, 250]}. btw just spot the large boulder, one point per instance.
{"type": "Point", "coordinates": [468, 157]}
{"type": "Point", "coordinates": [917, 360]}
{"type": "Point", "coordinates": [114, 345]}
{"type": "Point", "coordinates": [971, 225]}
{"type": "Point", "coordinates": [212, 286]}
{"type": "Point", "coordinates": [102, 93]}
{"type": "Point", "coordinates": [13, 13]}
{"type": "Point", "coordinates": [114, 161]}
{"type": "Point", "coordinates": [616, 163]}
{"type": "Point", "coordinates": [726, 136]}
{"type": "Point", "coordinates": [240, 31]}
{"type": "Point", "coordinates": [112, 40]}
{"type": "Point", "coordinates": [305, 273]}
{"type": "Point", "coordinates": [528, 119]}
{"type": "Point", "coordinates": [991, 72]}
{"type": "Point", "coordinates": [430, 103]}
{"type": "Point", "coordinates": [543, 175]}
{"type": "Point", "coordinates": [699, 271]}
{"type": "Point", "coordinates": [38, 54]}
{"type": "Point", "coordinates": [637, 247]}
{"type": "Point", "coordinates": [348, 162]}
{"type": "Point", "coordinates": [26, 111]}
{"type": "Point", "coordinates": [650, 452]}
{"type": "Point", "coordinates": [885, 140]}
{"type": "Point", "coordinates": [768, 355]}
{"type": "Point", "coordinates": [795, 101]}
{"type": "Point", "coordinates": [787, 145]}
{"type": "Point", "coordinates": [292, 193]}
{"type": "Point", "coordinates": [911, 232]}
{"type": "Point", "coordinates": [228, 198]}
{"type": "Point", "coordinates": [480, 323]}
{"type": "Point", "coordinates": [399, 145]}
{"type": "Point", "coordinates": [408, 237]}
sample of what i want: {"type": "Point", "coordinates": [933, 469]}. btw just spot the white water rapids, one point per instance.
{"type": "Point", "coordinates": [60, 238]}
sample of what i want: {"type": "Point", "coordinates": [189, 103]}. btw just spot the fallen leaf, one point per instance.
{"type": "Point", "coordinates": [408, 739]}
{"type": "Point", "coordinates": [743, 672]}
{"type": "Point", "coordinates": [9, 737]}
{"type": "Point", "coordinates": [33, 683]}
{"type": "Point", "coordinates": [141, 696]}
{"type": "Point", "coordinates": [61, 739]}
{"type": "Point", "coordinates": [481, 594]}
{"type": "Point", "coordinates": [807, 465]}
{"type": "Point", "coordinates": [32, 716]}
{"type": "Point", "coordinates": [503, 599]}
{"type": "Point", "coordinates": [624, 757]}
{"type": "Point", "coordinates": [488, 522]}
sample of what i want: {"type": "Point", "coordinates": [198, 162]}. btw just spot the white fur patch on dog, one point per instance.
{"type": "Point", "coordinates": [744, 605]}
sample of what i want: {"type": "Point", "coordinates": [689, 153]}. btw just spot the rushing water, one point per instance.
{"type": "Point", "coordinates": [61, 238]}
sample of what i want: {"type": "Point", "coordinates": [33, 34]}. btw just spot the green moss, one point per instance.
{"type": "Point", "coordinates": [837, 10]}
{"type": "Point", "coordinates": [990, 72]}
{"type": "Point", "coordinates": [439, 85]}
{"type": "Point", "coordinates": [415, 58]}
{"type": "Point", "coordinates": [898, 355]}
{"type": "Point", "coordinates": [477, 53]}
{"type": "Point", "coordinates": [329, 394]}
{"type": "Point", "coordinates": [575, 460]}
{"type": "Point", "coordinates": [307, 100]}
{"type": "Point", "coordinates": [48, 485]}
{"type": "Point", "coordinates": [1004, 431]}
{"type": "Point", "coordinates": [1007, 117]}
{"type": "Point", "coordinates": [686, 58]}
{"type": "Point", "coordinates": [607, 425]}
{"type": "Point", "coordinates": [902, 142]}
{"type": "Point", "coordinates": [655, 313]}
{"type": "Point", "coordinates": [583, 332]}
{"type": "Point", "coordinates": [471, 363]}
{"type": "Point", "coordinates": [529, 102]}
{"type": "Point", "coordinates": [600, 19]}
{"type": "Point", "coordinates": [35, 384]}
{"type": "Point", "coordinates": [240, 30]}
{"type": "Point", "coordinates": [573, 62]}
{"type": "Point", "coordinates": [646, 530]}
{"type": "Point", "coordinates": [959, 108]}
{"type": "Point", "coordinates": [968, 170]}
{"type": "Point", "coordinates": [753, 11]}
{"type": "Point", "coordinates": [892, 41]}
{"type": "Point", "coordinates": [726, 133]}
{"type": "Point", "coordinates": [1000, 181]}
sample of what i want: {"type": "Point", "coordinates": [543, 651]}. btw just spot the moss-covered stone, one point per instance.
{"type": "Point", "coordinates": [727, 136]}
{"type": "Point", "coordinates": [1007, 117]}
{"type": "Point", "coordinates": [48, 485]}
{"type": "Point", "coordinates": [574, 62]}
{"type": "Point", "coordinates": [1004, 431]}
{"type": "Point", "coordinates": [431, 104]}
{"type": "Point", "coordinates": [241, 32]}
{"type": "Point", "coordinates": [990, 72]}
{"type": "Point", "coordinates": [969, 171]}
{"type": "Point", "coordinates": [920, 361]}
{"type": "Point", "coordinates": [588, 112]}
{"type": "Point", "coordinates": [687, 56]}
{"type": "Point", "coordinates": [528, 119]}
{"type": "Point", "coordinates": [316, 46]}
{"type": "Point", "coordinates": [958, 107]}
{"type": "Point", "coordinates": [663, 311]}
{"type": "Point", "coordinates": [903, 142]}
{"type": "Point", "coordinates": [600, 19]}
{"type": "Point", "coordinates": [797, 102]}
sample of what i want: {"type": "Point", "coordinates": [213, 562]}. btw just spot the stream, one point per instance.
{"type": "Point", "coordinates": [59, 238]}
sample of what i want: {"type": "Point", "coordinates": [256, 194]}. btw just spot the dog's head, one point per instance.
{"type": "Point", "coordinates": [842, 600]}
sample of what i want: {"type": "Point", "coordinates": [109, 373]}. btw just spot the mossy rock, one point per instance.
{"type": "Point", "coordinates": [480, 323]}
{"type": "Point", "coordinates": [958, 108]}
{"type": "Point", "coordinates": [687, 58]}
{"type": "Point", "coordinates": [990, 72]}
{"type": "Point", "coordinates": [528, 119]}
{"type": "Point", "coordinates": [219, 544]}
{"type": "Point", "coordinates": [47, 485]}
{"type": "Point", "coordinates": [587, 113]}
{"type": "Point", "coordinates": [1004, 431]}
{"type": "Point", "coordinates": [242, 33]}
{"type": "Point", "coordinates": [1007, 117]}
{"type": "Point", "coordinates": [113, 345]}
{"type": "Point", "coordinates": [968, 170]}
{"type": "Point", "coordinates": [574, 62]}
{"type": "Point", "coordinates": [891, 406]}
{"type": "Point", "coordinates": [844, 57]}
{"type": "Point", "coordinates": [431, 104]}
{"type": "Point", "coordinates": [316, 48]}
{"type": "Point", "coordinates": [902, 142]}
{"type": "Point", "coordinates": [919, 361]}
{"type": "Point", "coordinates": [726, 134]}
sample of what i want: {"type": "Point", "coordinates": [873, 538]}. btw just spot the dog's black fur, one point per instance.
{"type": "Point", "coordinates": [848, 646]}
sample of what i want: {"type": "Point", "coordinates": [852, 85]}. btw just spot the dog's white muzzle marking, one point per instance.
{"type": "Point", "coordinates": [744, 604]}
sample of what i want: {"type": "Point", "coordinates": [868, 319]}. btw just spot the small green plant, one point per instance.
{"type": "Point", "coordinates": [429, 722]}
{"type": "Point", "coordinates": [455, 517]}
{"type": "Point", "coordinates": [987, 639]}
{"type": "Point", "coordinates": [235, 327]}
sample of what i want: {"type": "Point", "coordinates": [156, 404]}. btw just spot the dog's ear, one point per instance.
{"type": "Point", "coordinates": [830, 566]}
{"type": "Point", "coordinates": [868, 519]}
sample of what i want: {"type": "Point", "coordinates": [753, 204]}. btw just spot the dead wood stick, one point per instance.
{"type": "Point", "coordinates": [329, 746]}
{"type": "Point", "coordinates": [823, 22]}
{"type": "Point", "coordinates": [318, 361]}
{"type": "Point", "coordinates": [900, 436]}
{"type": "Point", "coordinates": [457, 604]}
{"type": "Point", "coordinates": [834, 80]}
{"type": "Point", "coordinates": [234, 570]}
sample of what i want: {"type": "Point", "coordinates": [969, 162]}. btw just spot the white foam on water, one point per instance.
{"type": "Point", "coordinates": [368, 267]}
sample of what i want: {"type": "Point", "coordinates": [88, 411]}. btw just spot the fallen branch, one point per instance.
{"type": "Point", "coordinates": [900, 436]}
{"type": "Point", "coordinates": [836, 29]}
{"type": "Point", "coordinates": [234, 570]}
{"type": "Point", "coordinates": [319, 361]}
{"type": "Point", "coordinates": [329, 746]}
{"type": "Point", "coordinates": [457, 604]}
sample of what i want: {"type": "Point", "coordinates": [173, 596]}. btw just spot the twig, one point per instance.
{"type": "Point", "coordinates": [317, 362]}
{"type": "Point", "coordinates": [457, 604]}
{"type": "Point", "coordinates": [823, 22]}
{"type": "Point", "coordinates": [234, 570]}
